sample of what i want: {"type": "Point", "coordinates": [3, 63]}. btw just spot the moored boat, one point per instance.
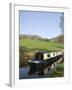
{"type": "Point", "coordinates": [42, 60]}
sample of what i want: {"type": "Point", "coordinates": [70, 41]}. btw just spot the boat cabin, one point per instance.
{"type": "Point", "coordinates": [42, 55]}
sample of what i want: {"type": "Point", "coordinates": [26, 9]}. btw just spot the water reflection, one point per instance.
{"type": "Point", "coordinates": [23, 74]}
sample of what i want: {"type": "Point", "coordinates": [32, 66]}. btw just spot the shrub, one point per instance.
{"type": "Point", "coordinates": [24, 56]}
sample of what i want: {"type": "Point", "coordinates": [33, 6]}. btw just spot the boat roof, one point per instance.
{"type": "Point", "coordinates": [42, 52]}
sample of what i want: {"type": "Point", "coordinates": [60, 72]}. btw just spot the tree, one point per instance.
{"type": "Point", "coordinates": [61, 25]}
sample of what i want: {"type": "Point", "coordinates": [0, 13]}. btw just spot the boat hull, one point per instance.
{"type": "Point", "coordinates": [42, 64]}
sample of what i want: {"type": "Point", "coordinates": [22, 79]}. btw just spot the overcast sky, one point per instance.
{"type": "Point", "coordinates": [44, 24]}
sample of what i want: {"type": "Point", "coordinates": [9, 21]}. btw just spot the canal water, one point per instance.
{"type": "Point", "coordinates": [23, 74]}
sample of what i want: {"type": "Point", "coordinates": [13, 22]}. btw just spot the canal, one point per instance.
{"type": "Point", "coordinates": [23, 74]}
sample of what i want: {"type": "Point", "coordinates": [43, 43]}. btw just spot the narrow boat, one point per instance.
{"type": "Point", "coordinates": [42, 60]}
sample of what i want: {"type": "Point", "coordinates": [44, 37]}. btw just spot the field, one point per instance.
{"type": "Point", "coordinates": [40, 45]}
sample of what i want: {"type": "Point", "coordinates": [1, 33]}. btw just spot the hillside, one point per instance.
{"type": "Point", "coordinates": [59, 39]}
{"type": "Point", "coordinates": [25, 36]}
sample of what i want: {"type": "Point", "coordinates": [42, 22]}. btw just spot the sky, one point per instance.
{"type": "Point", "coordinates": [44, 24]}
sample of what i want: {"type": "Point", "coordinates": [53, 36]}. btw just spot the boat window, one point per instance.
{"type": "Point", "coordinates": [48, 55]}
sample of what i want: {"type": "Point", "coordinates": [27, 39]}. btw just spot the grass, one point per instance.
{"type": "Point", "coordinates": [40, 45]}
